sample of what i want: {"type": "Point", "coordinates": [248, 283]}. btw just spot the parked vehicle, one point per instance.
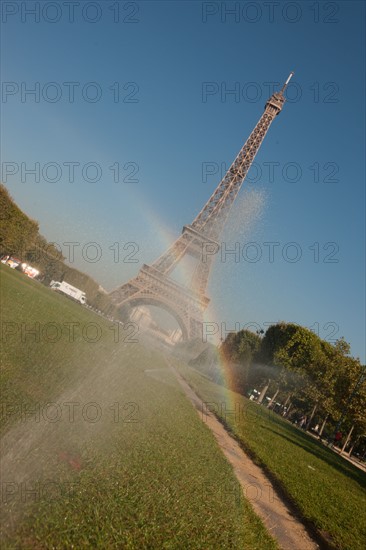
{"type": "Point", "coordinates": [71, 291]}
{"type": "Point", "coordinates": [10, 261]}
{"type": "Point", "coordinates": [32, 272]}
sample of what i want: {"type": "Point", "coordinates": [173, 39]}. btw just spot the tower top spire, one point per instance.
{"type": "Point", "coordinates": [276, 101]}
{"type": "Point", "coordinates": [287, 81]}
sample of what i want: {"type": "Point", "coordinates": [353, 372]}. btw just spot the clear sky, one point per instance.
{"type": "Point", "coordinates": [146, 86]}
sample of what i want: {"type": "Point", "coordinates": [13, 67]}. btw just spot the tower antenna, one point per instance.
{"type": "Point", "coordinates": [287, 81]}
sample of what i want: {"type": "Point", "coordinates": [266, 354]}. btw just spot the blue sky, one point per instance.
{"type": "Point", "coordinates": [168, 135]}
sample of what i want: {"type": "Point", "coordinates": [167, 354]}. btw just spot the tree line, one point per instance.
{"type": "Point", "coordinates": [20, 238]}
{"type": "Point", "coordinates": [309, 377]}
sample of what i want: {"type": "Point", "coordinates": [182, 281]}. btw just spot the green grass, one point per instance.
{"type": "Point", "coordinates": [150, 477]}
{"type": "Point", "coordinates": [329, 491]}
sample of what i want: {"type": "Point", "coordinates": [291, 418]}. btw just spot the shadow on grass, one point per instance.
{"type": "Point", "coordinates": [320, 451]}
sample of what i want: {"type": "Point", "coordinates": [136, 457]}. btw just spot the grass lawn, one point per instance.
{"type": "Point", "coordinates": [100, 448]}
{"type": "Point", "coordinates": [329, 491]}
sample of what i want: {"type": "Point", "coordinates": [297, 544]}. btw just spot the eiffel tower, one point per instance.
{"type": "Point", "coordinates": [154, 286]}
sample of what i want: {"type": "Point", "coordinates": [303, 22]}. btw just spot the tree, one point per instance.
{"type": "Point", "coordinates": [275, 338]}
{"type": "Point", "coordinates": [241, 347]}
{"type": "Point", "coordinates": [238, 350]}
{"type": "Point", "coordinates": [301, 358]}
{"type": "Point", "coordinates": [17, 231]}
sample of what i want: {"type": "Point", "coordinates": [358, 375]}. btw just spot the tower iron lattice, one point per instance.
{"type": "Point", "coordinates": [153, 284]}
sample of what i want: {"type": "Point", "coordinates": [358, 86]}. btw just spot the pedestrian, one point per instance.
{"type": "Point", "coordinates": [337, 438]}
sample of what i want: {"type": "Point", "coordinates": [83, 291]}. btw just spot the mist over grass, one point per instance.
{"type": "Point", "coordinates": [100, 448]}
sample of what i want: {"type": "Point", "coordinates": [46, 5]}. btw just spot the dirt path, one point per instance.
{"type": "Point", "coordinates": [289, 532]}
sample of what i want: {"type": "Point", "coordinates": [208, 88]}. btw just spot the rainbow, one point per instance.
{"type": "Point", "coordinates": [247, 211]}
